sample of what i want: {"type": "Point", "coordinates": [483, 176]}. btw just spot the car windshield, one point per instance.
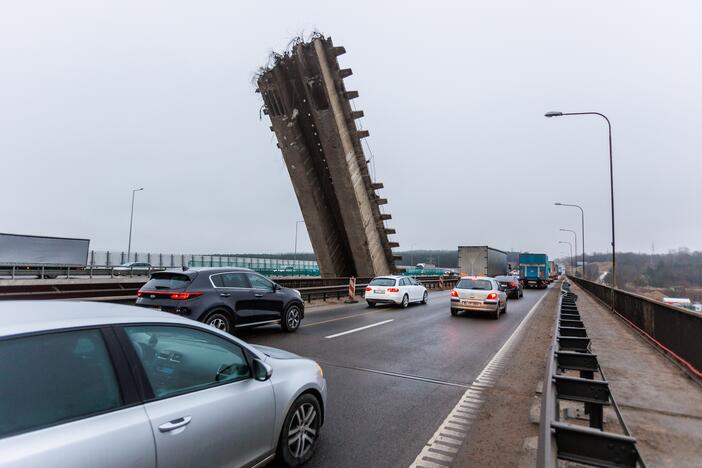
{"type": "Point", "coordinates": [504, 279]}
{"type": "Point", "coordinates": [481, 285]}
{"type": "Point", "coordinates": [167, 280]}
{"type": "Point", "coordinates": [382, 282]}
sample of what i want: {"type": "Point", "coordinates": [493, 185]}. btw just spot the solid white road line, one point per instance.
{"type": "Point", "coordinates": [472, 397]}
{"type": "Point", "coordinates": [359, 328]}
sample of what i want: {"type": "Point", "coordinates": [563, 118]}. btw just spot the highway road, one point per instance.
{"type": "Point", "coordinates": [394, 375]}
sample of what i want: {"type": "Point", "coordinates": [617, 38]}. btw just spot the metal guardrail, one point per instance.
{"type": "Point", "coordinates": [558, 440]}
{"type": "Point", "coordinates": [123, 291]}
{"type": "Point", "coordinates": [675, 330]}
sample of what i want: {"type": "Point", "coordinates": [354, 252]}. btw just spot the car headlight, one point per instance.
{"type": "Point", "coordinates": [299, 294]}
{"type": "Point", "coordinates": [321, 371]}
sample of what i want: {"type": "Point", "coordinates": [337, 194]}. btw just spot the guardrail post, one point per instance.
{"type": "Point", "coordinates": [91, 272]}
{"type": "Point", "coordinates": [68, 272]}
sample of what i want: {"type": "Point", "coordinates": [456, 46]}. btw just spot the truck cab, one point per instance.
{"type": "Point", "coordinates": [534, 270]}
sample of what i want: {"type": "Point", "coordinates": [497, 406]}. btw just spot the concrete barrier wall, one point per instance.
{"type": "Point", "coordinates": [678, 330]}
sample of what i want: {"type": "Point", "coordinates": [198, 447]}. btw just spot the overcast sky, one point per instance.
{"type": "Point", "coordinates": [97, 98]}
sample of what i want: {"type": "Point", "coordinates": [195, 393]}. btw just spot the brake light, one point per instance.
{"type": "Point", "coordinates": [182, 296]}
{"type": "Point", "coordinates": [492, 296]}
{"type": "Point", "coordinates": [139, 293]}
{"type": "Point", "coordinates": [454, 293]}
{"type": "Point", "coordinates": [393, 289]}
{"type": "Point", "coordinates": [369, 289]}
{"type": "Point", "coordinates": [514, 285]}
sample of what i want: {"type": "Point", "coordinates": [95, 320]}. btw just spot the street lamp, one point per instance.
{"type": "Point", "coordinates": [131, 220]}
{"type": "Point", "coordinates": [582, 228]}
{"type": "Point", "coordinates": [575, 237]}
{"type": "Point", "coordinates": [297, 223]}
{"type": "Point", "coordinates": [611, 186]}
{"type": "Point", "coordinates": [571, 250]}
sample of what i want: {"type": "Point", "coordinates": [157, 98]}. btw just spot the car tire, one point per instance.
{"type": "Point", "coordinates": [425, 298]}
{"type": "Point", "coordinates": [371, 304]}
{"type": "Point", "coordinates": [454, 312]}
{"type": "Point", "coordinates": [291, 318]}
{"type": "Point", "coordinates": [504, 311]}
{"type": "Point", "coordinates": [220, 319]}
{"type": "Point", "coordinates": [405, 302]}
{"type": "Point", "coordinates": [292, 451]}
{"type": "Point", "coordinates": [496, 314]}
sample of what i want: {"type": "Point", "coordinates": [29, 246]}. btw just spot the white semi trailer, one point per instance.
{"type": "Point", "coordinates": [21, 253]}
{"type": "Point", "coordinates": [481, 260]}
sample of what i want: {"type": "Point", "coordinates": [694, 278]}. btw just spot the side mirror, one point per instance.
{"type": "Point", "coordinates": [261, 370]}
{"type": "Point", "coordinates": [276, 287]}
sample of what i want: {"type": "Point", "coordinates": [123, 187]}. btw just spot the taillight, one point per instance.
{"type": "Point", "coordinates": [454, 293]}
{"type": "Point", "coordinates": [514, 285]}
{"type": "Point", "coordinates": [139, 293]}
{"type": "Point", "coordinates": [182, 296]}
{"type": "Point", "coordinates": [393, 289]}
{"type": "Point", "coordinates": [492, 296]}
{"type": "Point", "coordinates": [369, 289]}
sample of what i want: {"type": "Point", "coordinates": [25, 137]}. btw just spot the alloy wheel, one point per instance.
{"type": "Point", "coordinates": [218, 323]}
{"type": "Point", "coordinates": [302, 432]}
{"type": "Point", "coordinates": [293, 318]}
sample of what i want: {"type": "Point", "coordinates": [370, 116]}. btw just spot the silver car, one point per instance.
{"type": "Point", "coordinates": [132, 269]}
{"type": "Point", "coordinates": [478, 293]}
{"type": "Point", "coordinates": [104, 385]}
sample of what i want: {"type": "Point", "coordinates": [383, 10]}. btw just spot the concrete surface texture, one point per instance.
{"type": "Point", "coordinates": [660, 404]}
{"type": "Point", "coordinates": [310, 112]}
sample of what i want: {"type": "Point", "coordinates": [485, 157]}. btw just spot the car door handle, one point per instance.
{"type": "Point", "coordinates": [258, 295]}
{"type": "Point", "coordinates": [224, 294]}
{"type": "Point", "coordinates": [175, 424]}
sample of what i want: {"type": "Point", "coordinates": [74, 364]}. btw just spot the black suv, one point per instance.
{"type": "Point", "coordinates": [225, 298]}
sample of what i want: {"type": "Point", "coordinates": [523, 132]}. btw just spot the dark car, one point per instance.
{"type": "Point", "coordinates": [511, 285]}
{"type": "Point", "coordinates": [225, 298]}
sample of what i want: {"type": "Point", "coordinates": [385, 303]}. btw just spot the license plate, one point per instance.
{"type": "Point", "coordinates": [470, 303]}
{"type": "Point", "coordinates": [379, 291]}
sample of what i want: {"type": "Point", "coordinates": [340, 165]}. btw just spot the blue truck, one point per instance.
{"type": "Point", "coordinates": [533, 270]}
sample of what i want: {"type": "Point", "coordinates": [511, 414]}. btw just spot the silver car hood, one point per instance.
{"type": "Point", "coordinates": [276, 353]}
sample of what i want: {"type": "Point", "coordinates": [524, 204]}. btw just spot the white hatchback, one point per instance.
{"type": "Point", "coordinates": [400, 290]}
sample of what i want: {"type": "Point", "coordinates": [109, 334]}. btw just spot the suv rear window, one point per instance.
{"type": "Point", "coordinates": [167, 280]}
{"type": "Point", "coordinates": [481, 285]}
{"type": "Point", "coordinates": [382, 282]}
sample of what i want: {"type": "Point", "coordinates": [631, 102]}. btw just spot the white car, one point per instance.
{"type": "Point", "coordinates": [480, 294]}
{"type": "Point", "coordinates": [399, 290]}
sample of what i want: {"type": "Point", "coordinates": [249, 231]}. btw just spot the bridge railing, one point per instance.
{"type": "Point", "coordinates": [676, 331]}
{"type": "Point", "coordinates": [125, 289]}
{"type": "Point", "coordinates": [570, 353]}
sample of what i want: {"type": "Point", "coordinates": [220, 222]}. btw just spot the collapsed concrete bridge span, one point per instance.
{"type": "Point", "coordinates": [313, 120]}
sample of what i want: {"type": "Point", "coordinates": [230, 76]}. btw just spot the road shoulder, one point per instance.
{"type": "Point", "coordinates": [504, 433]}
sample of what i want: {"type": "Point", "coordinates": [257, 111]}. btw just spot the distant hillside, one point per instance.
{"type": "Point", "coordinates": [675, 269]}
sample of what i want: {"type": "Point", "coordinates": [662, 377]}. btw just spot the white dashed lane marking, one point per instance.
{"type": "Point", "coordinates": [440, 450]}
{"type": "Point", "coordinates": [359, 329]}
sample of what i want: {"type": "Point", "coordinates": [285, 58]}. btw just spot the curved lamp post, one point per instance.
{"type": "Point", "coordinates": [131, 219]}
{"type": "Point", "coordinates": [582, 228]}
{"type": "Point", "coordinates": [611, 186]}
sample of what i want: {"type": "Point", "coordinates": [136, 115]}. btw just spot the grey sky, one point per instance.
{"type": "Point", "coordinates": [97, 98]}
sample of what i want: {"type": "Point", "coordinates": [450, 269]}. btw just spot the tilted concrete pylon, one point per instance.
{"type": "Point", "coordinates": [311, 114]}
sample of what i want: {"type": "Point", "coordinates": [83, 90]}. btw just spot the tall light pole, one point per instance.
{"type": "Point", "coordinates": [571, 250]}
{"type": "Point", "coordinates": [297, 223]}
{"type": "Point", "coordinates": [131, 221]}
{"type": "Point", "coordinates": [611, 186]}
{"type": "Point", "coordinates": [575, 237]}
{"type": "Point", "coordinates": [582, 228]}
